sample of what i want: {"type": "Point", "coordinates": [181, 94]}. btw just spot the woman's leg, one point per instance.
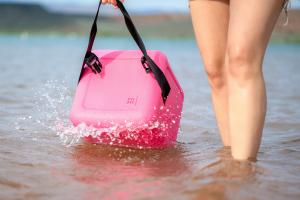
{"type": "Point", "coordinates": [251, 24]}
{"type": "Point", "coordinates": [210, 20]}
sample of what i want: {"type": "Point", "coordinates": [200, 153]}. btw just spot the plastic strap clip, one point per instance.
{"type": "Point", "coordinates": [92, 61]}
{"type": "Point", "coordinates": [145, 64]}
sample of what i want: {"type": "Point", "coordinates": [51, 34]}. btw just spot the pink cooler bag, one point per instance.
{"type": "Point", "coordinates": [127, 97]}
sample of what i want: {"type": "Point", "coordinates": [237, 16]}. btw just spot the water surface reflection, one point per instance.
{"type": "Point", "coordinates": [122, 173]}
{"type": "Point", "coordinates": [125, 172]}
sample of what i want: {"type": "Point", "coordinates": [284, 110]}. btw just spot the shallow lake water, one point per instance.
{"type": "Point", "coordinates": [41, 158]}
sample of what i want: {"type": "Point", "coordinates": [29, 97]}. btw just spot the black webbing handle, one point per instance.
{"type": "Point", "coordinates": [93, 34]}
{"type": "Point", "coordinates": [158, 74]}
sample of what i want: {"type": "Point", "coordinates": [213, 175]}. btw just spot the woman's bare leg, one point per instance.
{"type": "Point", "coordinates": [250, 27]}
{"type": "Point", "coordinates": [210, 20]}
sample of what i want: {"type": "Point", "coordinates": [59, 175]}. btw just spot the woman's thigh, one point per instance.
{"type": "Point", "coordinates": [250, 27]}
{"type": "Point", "coordinates": [210, 20]}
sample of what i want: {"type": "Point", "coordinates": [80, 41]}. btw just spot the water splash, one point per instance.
{"type": "Point", "coordinates": [51, 109]}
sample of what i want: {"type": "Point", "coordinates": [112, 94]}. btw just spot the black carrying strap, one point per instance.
{"type": "Point", "coordinates": [93, 34]}
{"type": "Point", "coordinates": [146, 60]}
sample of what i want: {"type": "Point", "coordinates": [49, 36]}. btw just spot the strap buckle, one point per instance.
{"type": "Point", "coordinates": [92, 61]}
{"type": "Point", "coordinates": [145, 64]}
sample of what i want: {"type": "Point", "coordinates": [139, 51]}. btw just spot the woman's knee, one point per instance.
{"type": "Point", "coordinates": [244, 62]}
{"type": "Point", "coordinates": [215, 72]}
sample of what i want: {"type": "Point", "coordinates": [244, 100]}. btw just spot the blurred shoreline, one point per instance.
{"type": "Point", "coordinates": [33, 19]}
